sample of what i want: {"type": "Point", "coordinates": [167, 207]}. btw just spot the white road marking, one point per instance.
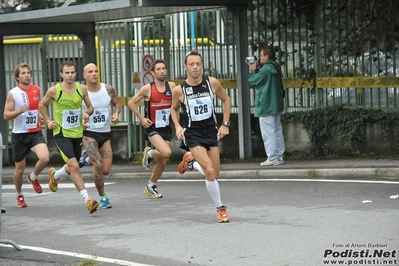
{"type": "Point", "coordinates": [284, 180]}
{"type": "Point", "coordinates": [80, 255]}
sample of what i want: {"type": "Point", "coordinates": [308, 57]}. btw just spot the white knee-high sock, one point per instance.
{"type": "Point", "coordinates": [149, 152]}
{"type": "Point", "coordinates": [60, 173]}
{"type": "Point", "coordinates": [214, 192]}
{"type": "Point", "coordinates": [198, 167]}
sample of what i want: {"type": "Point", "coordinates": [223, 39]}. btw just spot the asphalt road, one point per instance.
{"type": "Point", "coordinates": [276, 222]}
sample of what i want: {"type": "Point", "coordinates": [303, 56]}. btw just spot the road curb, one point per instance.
{"type": "Point", "coordinates": [383, 173]}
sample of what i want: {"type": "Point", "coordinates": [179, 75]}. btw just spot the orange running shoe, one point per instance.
{"type": "Point", "coordinates": [21, 202]}
{"type": "Point", "coordinates": [52, 182]}
{"type": "Point", "coordinates": [91, 205]}
{"type": "Point", "coordinates": [35, 184]}
{"type": "Point", "coordinates": [183, 166]}
{"type": "Point", "coordinates": [223, 217]}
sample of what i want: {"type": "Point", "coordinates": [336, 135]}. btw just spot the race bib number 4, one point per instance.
{"type": "Point", "coordinates": [162, 118]}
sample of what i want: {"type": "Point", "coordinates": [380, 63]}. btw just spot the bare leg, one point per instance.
{"type": "Point", "coordinates": [18, 173]}
{"type": "Point", "coordinates": [161, 153]}
{"type": "Point", "coordinates": [91, 147]}
{"type": "Point", "coordinates": [74, 171]}
{"type": "Point", "coordinates": [42, 153]}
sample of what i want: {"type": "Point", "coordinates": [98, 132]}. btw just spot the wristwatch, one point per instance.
{"type": "Point", "coordinates": [226, 123]}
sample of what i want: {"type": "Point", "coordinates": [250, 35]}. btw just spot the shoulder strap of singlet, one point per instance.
{"type": "Point", "coordinates": [78, 89]}
{"type": "Point", "coordinates": [206, 77]}
{"type": "Point", "coordinates": [58, 87]}
{"type": "Point", "coordinates": [167, 87]}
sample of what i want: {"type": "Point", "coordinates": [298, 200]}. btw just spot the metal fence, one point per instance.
{"type": "Point", "coordinates": [310, 48]}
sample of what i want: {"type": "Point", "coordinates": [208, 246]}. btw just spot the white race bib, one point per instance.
{"type": "Point", "coordinates": [30, 119]}
{"type": "Point", "coordinates": [99, 117]}
{"type": "Point", "coordinates": [162, 117]}
{"type": "Point", "coordinates": [71, 118]}
{"type": "Point", "coordinates": [200, 108]}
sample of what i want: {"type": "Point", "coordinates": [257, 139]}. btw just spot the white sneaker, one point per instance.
{"type": "Point", "coordinates": [281, 160]}
{"type": "Point", "coordinates": [270, 163]}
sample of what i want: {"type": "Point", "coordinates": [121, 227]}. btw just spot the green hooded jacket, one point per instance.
{"type": "Point", "coordinates": [269, 91]}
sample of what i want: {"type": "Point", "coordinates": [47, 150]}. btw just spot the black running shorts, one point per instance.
{"type": "Point", "coordinates": [101, 138]}
{"type": "Point", "coordinates": [164, 132]}
{"type": "Point", "coordinates": [206, 138]}
{"type": "Point", "coordinates": [23, 142]}
{"type": "Point", "coordinates": [68, 147]}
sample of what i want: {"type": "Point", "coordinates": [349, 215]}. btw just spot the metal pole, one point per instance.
{"type": "Point", "coordinates": [244, 95]}
{"type": "Point", "coordinates": [317, 54]}
{"type": "Point", "coordinates": [128, 84]}
{"type": "Point", "coordinates": [3, 95]}
{"type": "Point", "coordinates": [4, 241]}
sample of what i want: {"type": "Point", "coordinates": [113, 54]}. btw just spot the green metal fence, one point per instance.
{"type": "Point", "coordinates": [327, 38]}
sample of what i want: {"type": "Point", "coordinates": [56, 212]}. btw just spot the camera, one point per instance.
{"type": "Point", "coordinates": [250, 59]}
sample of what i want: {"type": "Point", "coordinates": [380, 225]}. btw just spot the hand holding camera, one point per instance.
{"type": "Point", "coordinates": [250, 60]}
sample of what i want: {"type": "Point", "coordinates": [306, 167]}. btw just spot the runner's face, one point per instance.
{"type": "Point", "coordinates": [160, 72]}
{"type": "Point", "coordinates": [91, 74]}
{"type": "Point", "coordinates": [24, 76]}
{"type": "Point", "coordinates": [193, 66]}
{"type": "Point", "coordinates": [68, 74]}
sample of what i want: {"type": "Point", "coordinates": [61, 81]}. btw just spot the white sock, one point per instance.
{"type": "Point", "coordinates": [149, 152]}
{"type": "Point", "coordinates": [84, 194]}
{"type": "Point", "coordinates": [87, 159]}
{"type": "Point", "coordinates": [150, 184]}
{"type": "Point", "coordinates": [214, 192]}
{"type": "Point", "coordinates": [198, 167]}
{"type": "Point", "coordinates": [60, 173]}
{"type": "Point", "coordinates": [19, 194]}
{"type": "Point", "coordinates": [33, 176]}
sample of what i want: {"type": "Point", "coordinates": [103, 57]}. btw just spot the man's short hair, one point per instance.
{"type": "Point", "coordinates": [157, 61]}
{"type": "Point", "coordinates": [17, 70]}
{"type": "Point", "coordinates": [269, 50]}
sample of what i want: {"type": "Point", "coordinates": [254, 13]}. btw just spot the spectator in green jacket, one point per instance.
{"type": "Point", "coordinates": [265, 77]}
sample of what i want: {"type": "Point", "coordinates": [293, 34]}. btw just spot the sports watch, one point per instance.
{"type": "Point", "coordinates": [226, 123]}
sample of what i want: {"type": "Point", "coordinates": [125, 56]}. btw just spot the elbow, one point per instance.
{"type": "Point", "coordinates": [7, 115]}
{"type": "Point", "coordinates": [131, 104]}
